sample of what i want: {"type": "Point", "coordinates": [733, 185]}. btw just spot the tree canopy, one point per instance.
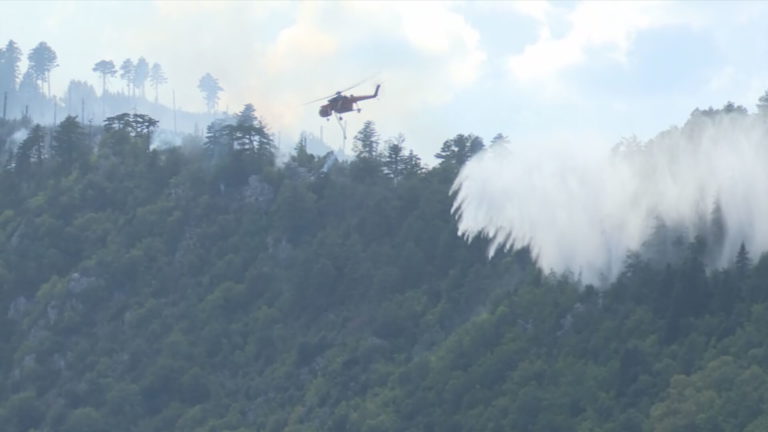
{"type": "Point", "coordinates": [42, 60]}
{"type": "Point", "coordinates": [105, 68]}
{"type": "Point", "coordinates": [210, 88]}
{"type": "Point", "coordinates": [206, 287]}
{"type": "Point", "coordinates": [157, 78]}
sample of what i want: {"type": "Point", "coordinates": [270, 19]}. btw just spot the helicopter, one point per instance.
{"type": "Point", "coordinates": [340, 103]}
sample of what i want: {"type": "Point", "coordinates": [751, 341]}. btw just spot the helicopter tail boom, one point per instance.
{"type": "Point", "coordinates": [361, 98]}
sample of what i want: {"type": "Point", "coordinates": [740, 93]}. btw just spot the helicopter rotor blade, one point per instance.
{"type": "Point", "coordinates": [342, 91]}
{"type": "Point", "coordinates": [359, 82]}
{"type": "Point", "coordinates": [318, 99]}
{"type": "Point", "coordinates": [352, 86]}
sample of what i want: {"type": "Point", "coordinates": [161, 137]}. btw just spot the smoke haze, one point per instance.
{"type": "Point", "coordinates": [583, 211]}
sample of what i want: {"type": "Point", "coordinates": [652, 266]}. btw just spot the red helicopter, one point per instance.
{"type": "Point", "coordinates": [340, 103]}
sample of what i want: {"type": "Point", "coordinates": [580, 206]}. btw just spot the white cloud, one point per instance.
{"type": "Point", "coordinates": [600, 28]}
{"type": "Point", "coordinates": [539, 10]}
{"type": "Point", "coordinates": [424, 53]}
{"type": "Point", "coordinates": [438, 31]}
{"type": "Point", "coordinates": [304, 42]}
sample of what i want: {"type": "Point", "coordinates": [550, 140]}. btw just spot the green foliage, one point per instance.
{"type": "Point", "coordinates": [157, 78]}
{"type": "Point", "coordinates": [456, 151]}
{"type": "Point", "coordinates": [367, 142]}
{"type": "Point", "coordinates": [42, 60]}
{"type": "Point", "coordinates": [211, 290]}
{"type": "Point", "coordinates": [301, 157]}
{"type": "Point", "coordinates": [725, 395]}
{"type": "Point", "coordinates": [21, 412]}
{"type": "Point", "coordinates": [127, 73]}
{"type": "Point", "coordinates": [69, 143]}
{"type": "Point", "coordinates": [137, 125]}
{"type": "Point", "coordinates": [105, 68]}
{"type": "Point", "coordinates": [394, 163]}
{"type": "Point", "coordinates": [30, 152]}
{"type": "Point", "coordinates": [10, 57]}
{"type": "Point", "coordinates": [85, 420]}
{"type": "Point", "coordinates": [210, 88]}
{"type": "Point", "coordinates": [140, 75]}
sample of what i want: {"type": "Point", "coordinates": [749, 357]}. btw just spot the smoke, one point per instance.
{"type": "Point", "coordinates": [164, 138]}
{"type": "Point", "coordinates": [582, 211]}
{"type": "Point", "coordinates": [17, 137]}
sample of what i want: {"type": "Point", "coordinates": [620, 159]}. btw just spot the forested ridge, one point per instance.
{"type": "Point", "coordinates": [206, 288]}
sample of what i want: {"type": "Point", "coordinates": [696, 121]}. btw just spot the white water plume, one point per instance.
{"type": "Point", "coordinates": [582, 211]}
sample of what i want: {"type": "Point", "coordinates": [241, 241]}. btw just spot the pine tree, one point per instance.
{"type": "Point", "coordinates": [42, 59]}
{"type": "Point", "coordinates": [743, 261]}
{"type": "Point", "coordinates": [456, 151]}
{"type": "Point", "coordinates": [69, 146]}
{"type": "Point", "coordinates": [127, 71]}
{"type": "Point", "coordinates": [30, 151]}
{"type": "Point", "coordinates": [157, 78]}
{"type": "Point", "coordinates": [10, 56]}
{"type": "Point", "coordinates": [301, 156]}
{"type": "Point", "coordinates": [367, 142]}
{"type": "Point", "coordinates": [218, 142]}
{"type": "Point", "coordinates": [499, 139]}
{"type": "Point", "coordinates": [249, 135]}
{"type": "Point", "coordinates": [762, 103]}
{"type": "Point", "coordinates": [140, 75]}
{"type": "Point", "coordinates": [29, 88]}
{"type": "Point", "coordinates": [210, 88]}
{"type": "Point", "coordinates": [412, 165]}
{"type": "Point", "coordinates": [105, 68]}
{"type": "Point", "coordinates": [394, 163]}
{"type": "Point", "coordinates": [244, 133]}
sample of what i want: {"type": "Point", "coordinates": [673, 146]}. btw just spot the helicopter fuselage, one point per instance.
{"type": "Point", "coordinates": [341, 104]}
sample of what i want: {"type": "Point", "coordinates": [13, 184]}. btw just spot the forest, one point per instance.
{"type": "Point", "coordinates": [28, 92]}
{"type": "Point", "coordinates": [207, 287]}
{"type": "Point", "coordinates": [204, 287]}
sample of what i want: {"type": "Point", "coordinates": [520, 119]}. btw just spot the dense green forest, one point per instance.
{"type": "Point", "coordinates": [205, 288]}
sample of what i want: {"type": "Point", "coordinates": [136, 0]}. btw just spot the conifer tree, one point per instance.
{"type": "Point", "coordinates": [30, 151]}
{"type": "Point", "coordinates": [743, 261]}
{"type": "Point", "coordinates": [210, 88]}
{"type": "Point", "coordinates": [366, 142]}
{"type": "Point", "coordinates": [762, 103]}
{"type": "Point", "coordinates": [105, 68]}
{"type": "Point", "coordinates": [140, 75]}
{"type": "Point", "coordinates": [10, 56]}
{"type": "Point", "coordinates": [157, 78]}
{"type": "Point", "coordinates": [69, 144]}
{"type": "Point", "coordinates": [127, 73]}
{"type": "Point", "coordinates": [42, 59]}
{"type": "Point", "coordinates": [301, 156]}
{"type": "Point", "coordinates": [394, 163]}
{"type": "Point", "coordinates": [412, 165]}
{"type": "Point", "coordinates": [456, 151]}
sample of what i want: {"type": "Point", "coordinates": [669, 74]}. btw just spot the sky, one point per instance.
{"type": "Point", "coordinates": [588, 73]}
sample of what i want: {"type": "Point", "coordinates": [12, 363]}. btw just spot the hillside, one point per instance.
{"type": "Point", "coordinates": [205, 288]}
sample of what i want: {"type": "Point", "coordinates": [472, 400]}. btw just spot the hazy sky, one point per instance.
{"type": "Point", "coordinates": [587, 72]}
